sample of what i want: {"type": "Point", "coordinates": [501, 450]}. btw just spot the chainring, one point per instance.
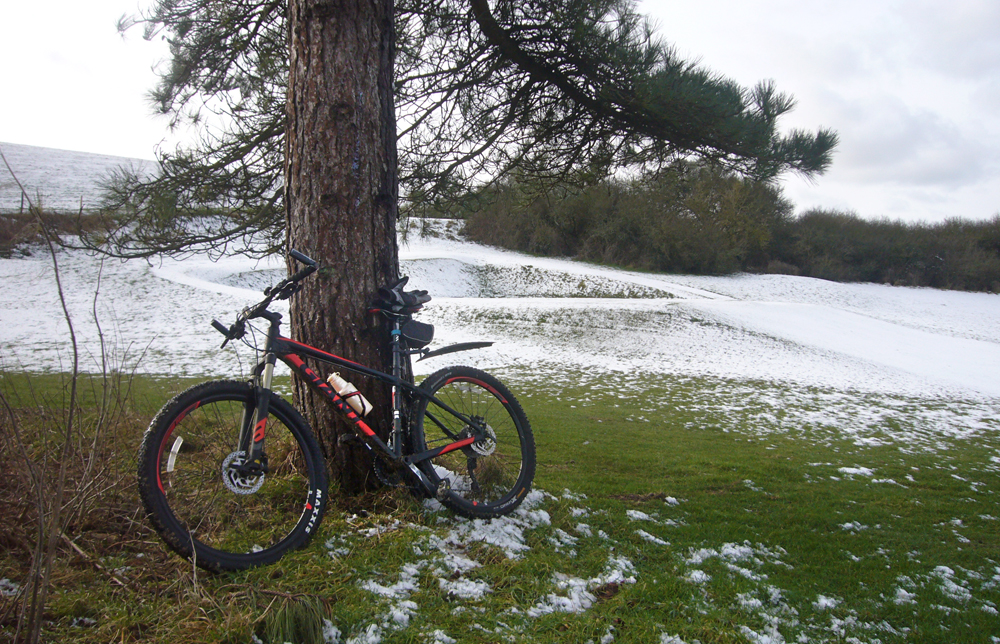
{"type": "Point", "coordinates": [386, 472]}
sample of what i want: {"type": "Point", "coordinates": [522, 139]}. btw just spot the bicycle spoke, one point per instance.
{"type": "Point", "coordinates": [491, 474]}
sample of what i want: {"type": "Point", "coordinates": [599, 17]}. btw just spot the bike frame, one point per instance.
{"type": "Point", "coordinates": [294, 354]}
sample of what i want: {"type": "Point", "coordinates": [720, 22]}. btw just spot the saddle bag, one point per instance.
{"type": "Point", "coordinates": [418, 334]}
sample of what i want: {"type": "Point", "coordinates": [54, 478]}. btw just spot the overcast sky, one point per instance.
{"type": "Point", "coordinates": [912, 88]}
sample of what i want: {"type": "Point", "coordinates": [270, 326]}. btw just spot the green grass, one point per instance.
{"type": "Point", "coordinates": [730, 511]}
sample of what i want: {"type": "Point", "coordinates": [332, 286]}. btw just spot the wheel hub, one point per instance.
{"type": "Point", "coordinates": [485, 444]}
{"type": "Point", "coordinates": [237, 480]}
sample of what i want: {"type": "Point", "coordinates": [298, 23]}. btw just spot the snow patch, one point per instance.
{"type": "Point", "coordinates": [576, 596]}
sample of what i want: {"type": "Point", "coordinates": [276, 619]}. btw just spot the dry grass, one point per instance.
{"type": "Point", "coordinates": [21, 234]}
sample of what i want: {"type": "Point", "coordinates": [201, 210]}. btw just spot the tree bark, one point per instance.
{"type": "Point", "coordinates": [341, 201]}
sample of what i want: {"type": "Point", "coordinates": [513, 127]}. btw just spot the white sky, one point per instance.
{"type": "Point", "coordinates": [911, 87]}
{"type": "Point", "coordinates": [70, 81]}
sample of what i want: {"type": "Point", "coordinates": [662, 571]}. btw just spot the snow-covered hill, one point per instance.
{"type": "Point", "coordinates": [852, 358]}
{"type": "Point", "coordinates": [765, 327]}
{"type": "Point", "coordinates": [62, 180]}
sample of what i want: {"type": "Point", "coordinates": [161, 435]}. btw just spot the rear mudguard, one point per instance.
{"type": "Point", "coordinates": [452, 348]}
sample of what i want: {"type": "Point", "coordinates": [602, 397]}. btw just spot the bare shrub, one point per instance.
{"type": "Point", "coordinates": [62, 443]}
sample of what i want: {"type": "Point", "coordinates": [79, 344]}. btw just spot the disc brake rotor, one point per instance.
{"type": "Point", "coordinates": [487, 444]}
{"type": "Point", "coordinates": [238, 482]}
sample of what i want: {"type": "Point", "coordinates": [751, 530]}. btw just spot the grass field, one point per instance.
{"type": "Point", "coordinates": [665, 511]}
{"type": "Point", "coordinates": [759, 459]}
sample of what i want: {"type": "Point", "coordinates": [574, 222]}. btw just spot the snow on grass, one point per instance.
{"type": "Point", "coordinates": [904, 597]}
{"type": "Point", "coordinates": [698, 576]}
{"type": "Point", "coordinates": [671, 639]}
{"type": "Point", "coordinates": [856, 471]}
{"type": "Point", "coordinates": [442, 554]}
{"type": "Point", "coordinates": [853, 526]}
{"type": "Point", "coordinates": [744, 559]}
{"type": "Point", "coordinates": [764, 355]}
{"type": "Point", "coordinates": [506, 533]}
{"type": "Point", "coordinates": [652, 538]}
{"type": "Point", "coordinates": [825, 603]}
{"type": "Point", "coordinates": [9, 588]}
{"type": "Point", "coordinates": [573, 594]}
{"type": "Point", "coordinates": [948, 586]}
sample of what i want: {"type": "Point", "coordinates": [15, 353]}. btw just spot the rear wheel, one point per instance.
{"type": "Point", "coordinates": [209, 509]}
{"type": "Point", "coordinates": [490, 476]}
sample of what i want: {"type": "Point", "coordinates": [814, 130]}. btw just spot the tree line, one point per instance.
{"type": "Point", "coordinates": [697, 218]}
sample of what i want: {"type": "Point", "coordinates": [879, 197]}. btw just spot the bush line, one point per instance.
{"type": "Point", "coordinates": [696, 219]}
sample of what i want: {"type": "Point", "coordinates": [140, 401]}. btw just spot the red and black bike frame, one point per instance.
{"type": "Point", "coordinates": [295, 354]}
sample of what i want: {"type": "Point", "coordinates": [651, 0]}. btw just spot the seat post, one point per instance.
{"type": "Point", "coordinates": [398, 355]}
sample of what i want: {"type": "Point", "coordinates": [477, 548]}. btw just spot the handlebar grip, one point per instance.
{"type": "Point", "coordinates": [302, 258]}
{"type": "Point", "coordinates": [221, 328]}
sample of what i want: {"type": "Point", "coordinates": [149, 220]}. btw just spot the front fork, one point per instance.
{"type": "Point", "coordinates": [253, 427]}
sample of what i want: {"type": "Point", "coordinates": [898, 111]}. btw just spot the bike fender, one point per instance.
{"type": "Point", "coordinates": [453, 348]}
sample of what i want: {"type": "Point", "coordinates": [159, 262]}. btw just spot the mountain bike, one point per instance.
{"type": "Point", "coordinates": [232, 476]}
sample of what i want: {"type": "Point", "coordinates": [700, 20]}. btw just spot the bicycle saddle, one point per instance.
{"type": "Point", "coordinates": [394, 299]}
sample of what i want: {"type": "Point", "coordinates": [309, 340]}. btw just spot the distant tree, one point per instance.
{"type": "Point", "coordinates": [836, 245]}
{"type": "Point", "coordinates": [689, 216]}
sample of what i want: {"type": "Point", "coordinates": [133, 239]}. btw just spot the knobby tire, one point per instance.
{"type": "Point", "coordinates": [489, 478]}
{"type": "Point", "coordinates": [236, 522]}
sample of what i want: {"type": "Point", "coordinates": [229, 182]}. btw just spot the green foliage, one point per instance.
{"type": "Point", "coordinates": [955, 254]}
{"type": "Point", "coordinates": [701, 219]}
{"type": "Point", "coordinates": [688, 217]}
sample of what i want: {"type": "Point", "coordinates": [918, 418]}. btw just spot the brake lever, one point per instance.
{"type": "Point", "coordinates": [235, 332]}
{"type": "Point", "coordinates": [288, 290]}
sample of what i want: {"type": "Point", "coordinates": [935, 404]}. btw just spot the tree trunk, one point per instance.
{"type": "Point", "coordinates": [341, 189]}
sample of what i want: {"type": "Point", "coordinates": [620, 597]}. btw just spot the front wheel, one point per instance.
{"type": "Point", "coordinates": [490, 476]}
{"type": "Point", "coordinates": [199, 499]}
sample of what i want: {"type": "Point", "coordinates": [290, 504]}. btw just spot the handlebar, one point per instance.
{"type": "Point", "coordinates": [280, 291]}
{"type": "Point", "coordinates": [310, 268]}
{"type": "Point", "coordinates": [302, 258]}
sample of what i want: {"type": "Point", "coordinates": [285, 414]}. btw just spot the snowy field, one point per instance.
{"type": "Point", "coordinates": [877, 365]}
{"type": "Point", "coordinates": [817, 344]}
{"type": "Point", "coordinates": [58, 179]}
{"type": "Point", "coordinates": [800, 331]}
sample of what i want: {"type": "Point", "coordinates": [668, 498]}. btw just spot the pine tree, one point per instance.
{"type": "Point", "coordinates": [470, 91]}
{"type": "Point", "coordinates": [340, 197]}
{"type": "Point", "coordinates": [550, 90]}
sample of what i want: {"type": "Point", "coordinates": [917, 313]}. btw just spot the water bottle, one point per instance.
{"type": "Point", "coordinates": [350, 394]}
